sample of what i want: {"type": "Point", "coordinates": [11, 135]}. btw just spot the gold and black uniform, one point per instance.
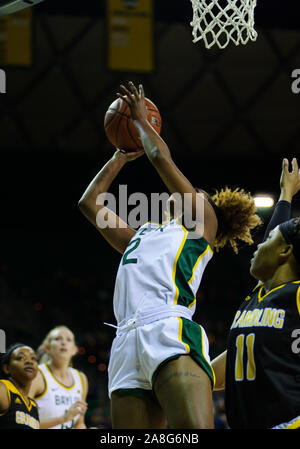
{"type": "Point", "coordinates": [263, 360]}
{"type": "Point", "coordinates": [20, 415]}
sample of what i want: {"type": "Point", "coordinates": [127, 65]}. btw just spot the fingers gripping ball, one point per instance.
{"type": "Point", "coordinates": [120, 129]}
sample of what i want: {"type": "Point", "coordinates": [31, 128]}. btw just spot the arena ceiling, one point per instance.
{"type": "Point", "coordinates": [234, 106]}
{"type": "Point", "coordinates": [268, 12]}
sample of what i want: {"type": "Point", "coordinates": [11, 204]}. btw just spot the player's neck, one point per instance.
{"type": "Point", "coordinates": [23, 388]}
{"type": "Point", "coordinates": [283, 275]}
{"type": "Point", "coordinates": [59, 368]}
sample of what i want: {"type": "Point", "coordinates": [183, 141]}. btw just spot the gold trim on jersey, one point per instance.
{"type": "Point", "coordinates": [81, 380]}
{"type": "Point", "coordinates": [11, 388]}
{"type": "Point", "coordinates": [293, 424]}
{"type": "Point", "coordinates": [298, 300]}
{"type": "Point", "coordinates": [206, 249]}
{"type": "Point", "coordinates": [62, 385]}
{"type": "Point", "coordinates": [180, 336]}
{"type": "Point", "coordinates": [260, 284]}
{"type": "Point", "coordinates": [194, 269]}
{"type": "Point", "coordinates": [175, 263]}
{"type": "Point", "coordinates": [46, 387]}
{"type": "Point", "coordinates": [180, 224]}
{"type": "Point", "coordinates": [197, 262]}
{"type": "Point", "coordinates": [260, 298]}
{"type": "Point", "coordinates": [203, 353]}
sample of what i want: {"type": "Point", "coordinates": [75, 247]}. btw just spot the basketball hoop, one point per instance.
{"type": "Point", "coordinates": [218, 22]}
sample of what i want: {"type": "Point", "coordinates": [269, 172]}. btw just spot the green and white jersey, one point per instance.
{"type": "Point", "coordinates": [57, 398]}
{"type": "Point", "coordinates": [161, 266]}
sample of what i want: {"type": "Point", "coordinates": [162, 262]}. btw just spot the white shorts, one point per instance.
{"type": "Point", "coordinates": [137, 353]}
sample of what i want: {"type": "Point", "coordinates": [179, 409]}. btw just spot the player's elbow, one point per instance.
{"type": "Point", "coordinates": [157, 155]}
{"type": "Point", "coordinates": [154, 154]}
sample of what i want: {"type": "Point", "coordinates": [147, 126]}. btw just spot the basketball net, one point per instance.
{"type": "Point", "coordinates": [218, 22]}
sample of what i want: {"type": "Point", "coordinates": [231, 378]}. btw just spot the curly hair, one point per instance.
{"type": "Point", "coordinates": [236, 214]}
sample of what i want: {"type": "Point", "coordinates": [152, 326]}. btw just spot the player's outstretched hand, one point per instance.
{"type": "Point", "coordinates": [135, 98]}
{"type": "Point", "coordinates": [128, 157]}
{"type": "Point", "coordinates": [289, 181]}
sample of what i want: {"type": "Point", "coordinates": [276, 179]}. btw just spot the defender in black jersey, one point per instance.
{"type": "Point", "coordinates": [22, 413]}
{"type": "Point", "coordinates": [263, 367]}
{"type": "Point", "coordinates": [17, 410]}
{"type": "Point", "coordinates": [262, 361]}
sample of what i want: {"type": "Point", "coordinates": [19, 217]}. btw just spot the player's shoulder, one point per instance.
{"type": "Point", "coordinates": [292, 290]}
{"type": "Point", "coordinates": [295, 285]}
{"type": "Point", "coordinates": [289, 289]}
{"type": "Point", "coordinates": [3, 385]}
{"type": "Point", "coordinates": [83, 380]}
{"type": "Point", "coordinates": [80, 373]}
{"type": "Point", "coordinates": [4, 395]}
{"type": "Point", "coordinates": [7, 385]}
{"type": "Point", "coordinates": [83, 376]}
{"type": "Point", "coordinates": [38, 385]}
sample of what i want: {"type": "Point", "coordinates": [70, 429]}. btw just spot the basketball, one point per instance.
{"type": "Point", "coordinates": [120, 129]}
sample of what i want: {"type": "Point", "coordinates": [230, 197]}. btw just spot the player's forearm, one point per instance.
{"type": "Point", "coordinates": [282, 213]}
{"type": "Point", "coordinates": [219, 367]}
{"type": "Point", "coordinates": [102, 181]}
{"type": "Point", "coordinates": [52, 422]}
{"type": "Point", "coordinates": [153, 144]}
{"type": "Point", "coordinates": [285, 195]}
{"type": "Point", "coordinates": [80, 424]}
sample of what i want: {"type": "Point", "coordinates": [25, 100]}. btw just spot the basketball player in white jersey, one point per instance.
{"type": "Point", "coordinates": [59, 390]}
{"type": "Point", "coordinates": [159, 369]}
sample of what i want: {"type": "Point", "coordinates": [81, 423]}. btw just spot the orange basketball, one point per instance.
{"type": "Point", "coordinates": [120, 129]}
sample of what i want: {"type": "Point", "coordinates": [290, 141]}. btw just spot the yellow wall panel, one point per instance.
{"type": "Point", "coordinates": [16, 39]}
{"type": "Point", "coordinates": [130, 35]}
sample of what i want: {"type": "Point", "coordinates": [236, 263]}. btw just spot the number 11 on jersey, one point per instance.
{"type": "Point", "coordinates": [239, 359]}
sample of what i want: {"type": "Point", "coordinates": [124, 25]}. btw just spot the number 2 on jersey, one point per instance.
{"type": "Point", "coordinates": [239, 364]}
{"type": "Point", "coordinates": [125, 259]}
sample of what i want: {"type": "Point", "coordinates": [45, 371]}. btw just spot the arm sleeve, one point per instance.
{"type": "Point", "coordinates": [282, 212]}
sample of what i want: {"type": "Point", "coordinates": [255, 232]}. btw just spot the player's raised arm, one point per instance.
{"type": "Point", "coordinates": [113, 228]}
{"type": "Point", "coordinates": [159, 155]}
{"type": "Point", "coordinates": [155, 147]}
{"type": "Point", "coordinates": [289, 186]}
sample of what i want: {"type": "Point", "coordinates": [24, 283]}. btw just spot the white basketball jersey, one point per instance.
{"type": "Point", "coordinates": [161, 266]}
{"type": "Point", "coordinates": [57, 398]}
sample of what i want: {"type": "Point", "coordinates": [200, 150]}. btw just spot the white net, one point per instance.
{"type": "Point", "coordinates": [222, 21]}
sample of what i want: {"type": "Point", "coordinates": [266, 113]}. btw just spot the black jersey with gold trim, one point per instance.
{"type": "Point", "coordinates": [263, 360]}
{"type": "Point", "coordinates": [20, 414]}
